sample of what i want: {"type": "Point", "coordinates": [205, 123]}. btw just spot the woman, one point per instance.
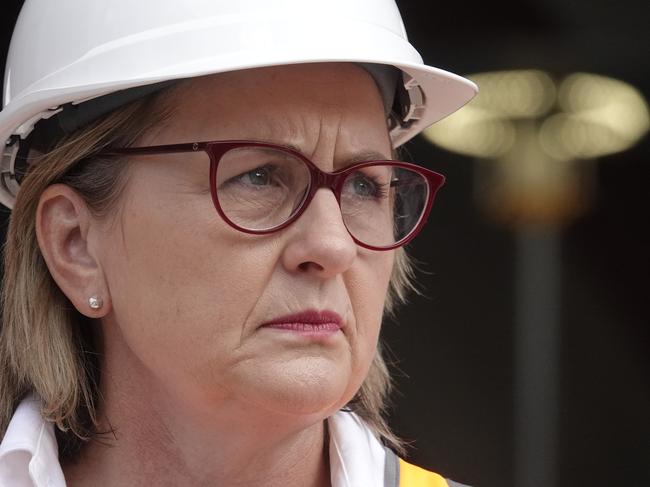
{"type": "Point", "coordinates": [206, 231]}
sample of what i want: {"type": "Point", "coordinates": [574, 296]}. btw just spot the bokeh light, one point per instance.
{"type": "Point", "coordinates": [581, 117]}
{"type": "Point", "coordinates": [534, 129]}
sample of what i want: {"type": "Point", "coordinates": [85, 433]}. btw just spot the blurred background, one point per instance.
{"type": "Point", "coordinates": [525, 361]}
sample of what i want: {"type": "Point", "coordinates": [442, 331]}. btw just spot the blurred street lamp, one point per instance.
{"type": "Point", "coordinates": [536, 134]}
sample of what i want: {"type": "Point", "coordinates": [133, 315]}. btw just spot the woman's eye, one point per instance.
{"type": "Point", "coordinates": [266, 176]}
{"type": "Point", "coordinates": [260, 176]}
{"type": "Point", "coordinates": [363, 187]}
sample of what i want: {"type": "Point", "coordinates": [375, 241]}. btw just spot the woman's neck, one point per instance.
{"type": "Point", "coordinates": [145, 461]}
{"type": "Point", "coordinates": [158, 440]}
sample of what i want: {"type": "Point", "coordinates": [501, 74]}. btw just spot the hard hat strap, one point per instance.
{"type": "Point", "coordinates": [75, 115]}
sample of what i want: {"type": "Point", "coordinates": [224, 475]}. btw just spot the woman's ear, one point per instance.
{"type": "Point", "coordinates": [63, 222]}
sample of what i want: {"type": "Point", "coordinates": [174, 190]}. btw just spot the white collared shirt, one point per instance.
{"type": "Point", "coordinates": [29, 453]}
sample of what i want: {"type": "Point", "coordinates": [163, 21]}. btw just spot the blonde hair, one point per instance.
{"type": "Point", "coordinates": [46, 346]}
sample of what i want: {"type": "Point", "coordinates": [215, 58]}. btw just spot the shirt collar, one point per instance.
{"type": "Point", "coordinates": [29, 454]}
{"type": "Point", "coordinates": [356, 456]}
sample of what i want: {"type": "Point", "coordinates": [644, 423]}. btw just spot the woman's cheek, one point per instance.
{"type": "Point", "coordinates": [367, 289]}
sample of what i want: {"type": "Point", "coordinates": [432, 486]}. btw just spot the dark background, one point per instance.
{"type": "Point", "coordinates": [454, 346]}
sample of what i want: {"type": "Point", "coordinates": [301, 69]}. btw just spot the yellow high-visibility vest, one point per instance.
{"type": "Point", "coordinates": [400, 473]}
{"type": "Point", "coordinates": [412, 476]}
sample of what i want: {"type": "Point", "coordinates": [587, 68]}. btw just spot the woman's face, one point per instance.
{"type": "Point", "coordinates": [190, 295]}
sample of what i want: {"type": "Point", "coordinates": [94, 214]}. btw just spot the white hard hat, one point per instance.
{"type": "Point", "coordinates": [66, 52]}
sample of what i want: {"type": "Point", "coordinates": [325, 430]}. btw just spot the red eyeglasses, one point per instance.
{"type": "Point", "coordinates": [260, 188]}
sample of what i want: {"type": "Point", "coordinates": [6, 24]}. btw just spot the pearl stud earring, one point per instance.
{"type": "Point", "coordinates": [95, 302]}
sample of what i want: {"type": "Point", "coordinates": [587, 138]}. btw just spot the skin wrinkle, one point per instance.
{"type": "Point", "coordinates": [246, 319]}
{"type": "Point", "coordinates": [263, 284]}
{"type": "Point", "coordinates": [318, 138]}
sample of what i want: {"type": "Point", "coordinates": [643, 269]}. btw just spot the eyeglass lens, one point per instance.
{"type": "Point", "coordinates": [259, 188]}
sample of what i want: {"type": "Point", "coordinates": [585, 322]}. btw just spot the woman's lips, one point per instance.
{"type": "Point", "coordinates": [308, 323]}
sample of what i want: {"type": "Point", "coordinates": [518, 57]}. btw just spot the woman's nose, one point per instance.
{"type": "Point", "coordinates": [319, 242]}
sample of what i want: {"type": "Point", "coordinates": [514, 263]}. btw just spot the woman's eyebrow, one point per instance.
{"type": "Point", "coordinates": [368, 155]}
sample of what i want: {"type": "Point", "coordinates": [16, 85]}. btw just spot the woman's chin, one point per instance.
{"type": "Point", "coordinates": [301, 387]}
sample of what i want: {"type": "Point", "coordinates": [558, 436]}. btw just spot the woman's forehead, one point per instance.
{"type": "Point", "coordinates": [282, 104]}
{"type": "Point", "coordinates": [295, 79]}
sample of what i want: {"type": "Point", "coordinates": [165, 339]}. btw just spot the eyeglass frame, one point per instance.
{"type": "Point", "coordinates": [318, 179]}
